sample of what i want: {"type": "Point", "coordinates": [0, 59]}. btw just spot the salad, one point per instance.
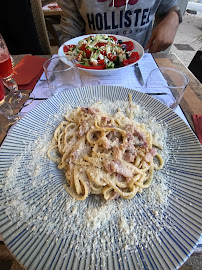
{"type": "Point", "coordinates": [102, 52]}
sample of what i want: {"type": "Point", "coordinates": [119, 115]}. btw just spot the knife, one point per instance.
{"type": "Point", "coordinates": [156, 94]}
{"type": "Point", "coordinates": [139, 74]}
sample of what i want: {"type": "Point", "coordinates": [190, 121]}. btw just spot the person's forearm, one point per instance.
{"type": "Point", "coordinates": [163, 33]}
{"type": "Point", "coordinates": [172, 11]}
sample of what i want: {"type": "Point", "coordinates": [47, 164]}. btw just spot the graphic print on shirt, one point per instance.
{"type": "Point", "coordinates": [118, 19]}
{"type": "Point", "coordinates": [119, 3]}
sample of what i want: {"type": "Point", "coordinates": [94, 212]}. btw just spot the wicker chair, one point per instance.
{"type": "Point", "coordinates": [40, 26]}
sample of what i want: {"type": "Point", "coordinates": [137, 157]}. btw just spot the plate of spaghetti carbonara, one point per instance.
{"type": "Point", "coordinates": [101, 177]}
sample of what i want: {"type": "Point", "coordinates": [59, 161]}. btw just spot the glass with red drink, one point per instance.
{"type": "Point", "coordinates": [6, 69]}
{"type": "Point", "coordinates": [2, 93]}
{"type": "Point", "coordinates": [6, 72]}
{"type": "Point", "coordinates": [5, 60]}
{"type": "Point", "coordinates": [5, 66]}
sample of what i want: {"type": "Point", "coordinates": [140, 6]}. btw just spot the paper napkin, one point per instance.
{"type": "Point", "coordinates": [54, 7]}
{"type": "Point", "coordinates": [197, 119]}
{"type": "Point", "coordinates": [28, 71]}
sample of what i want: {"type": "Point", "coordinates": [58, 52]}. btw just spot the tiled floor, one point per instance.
{"type": "Point", "coordinates": [187, 40]}
{"type": "Point", "coordinates": [184, 47]}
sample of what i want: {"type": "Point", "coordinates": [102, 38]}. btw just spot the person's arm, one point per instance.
{"type": "Point", "coordinates": [71, 21]}
{"type": "Point", "coordinates": [163, 33]}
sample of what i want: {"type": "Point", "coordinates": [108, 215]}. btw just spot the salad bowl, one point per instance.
{"type": "Point", "coordinates": [107, 71]}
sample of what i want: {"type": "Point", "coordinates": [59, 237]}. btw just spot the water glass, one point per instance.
{"type": "Point", "coordinates": [167, 85]}
{"type": "Point", "coordinates": [61, 74]}
{"type": "Point", "coordinates": [7, 111]}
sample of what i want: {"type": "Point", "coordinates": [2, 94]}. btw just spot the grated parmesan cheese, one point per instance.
{"type": "Point", "coordinates": [35, 196]}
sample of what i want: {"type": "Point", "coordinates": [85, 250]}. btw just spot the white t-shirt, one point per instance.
{"type": "Point", "coordinates": [131, 18]}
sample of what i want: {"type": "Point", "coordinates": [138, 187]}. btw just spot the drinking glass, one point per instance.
{"type": "Point", "coordinates": [6, 110]}
{"type": "Point", "coordinates": [6, 68]}
{"type": "Point", "coordinates": [6, 72]}
{"type": "Point", "coordinates": [61, 74]}
{"type": "Point", "coordinates": [167, 85]}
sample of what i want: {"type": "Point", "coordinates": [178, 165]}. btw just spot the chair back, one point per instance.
{"type": "Point", "coordinates": [40, 25]}
{"type": "Point", "coordinates": [195, 65]}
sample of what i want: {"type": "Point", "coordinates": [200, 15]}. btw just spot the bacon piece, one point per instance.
{"type": "Point", "coordinates": [142, 140]}
{"type": "Point", "coordinates": [130, 128]}
{"type": "Point", "coordinates": [107, 166]}
{"type": "Point", "coordinates": [129, 136]}
{"type": "Point", "coordinates": [84, 128]}
{"type": "Point", "coordinates": [89, 110]}
{"type": "Point", "coordinates": [111, 135]}
{"type": "Point", "coordinates": [129, 157]}
{"type": "Point", "coordinates": [152, 153]}
{"type": "Point", "coordinates": [114, 196]}
{"type": "Point", "coordinates": [106, 121]}
{"type": "Point", "coordinates": [133, 135]}
{"type": "Point", "coordinates": [117, 167]}
{"type": "Point", "coordinates": [106, 143]}
{"type": "Point", "coordinates": [120, 178]}
{"type": "Point", "coordinates": [117, 153]}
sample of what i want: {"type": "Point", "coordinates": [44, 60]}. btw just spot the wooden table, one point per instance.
{"type": "Point", "coordinates": [56, 12]}
{"type": "Point", "coordinates": [51, 12]}
{"type": "Point", "coordinates": [191, 104]}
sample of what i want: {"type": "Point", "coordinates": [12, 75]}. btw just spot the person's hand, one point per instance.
{"type": "Point", "coordinates": [164, 33]}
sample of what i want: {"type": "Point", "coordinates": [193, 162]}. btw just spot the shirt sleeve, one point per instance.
{"type": "Point", "coordinates": [165, 6]}
{"type": "Point", "coordinates": [71, 21]}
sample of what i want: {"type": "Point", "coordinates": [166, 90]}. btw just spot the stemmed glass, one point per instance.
{"type": "Point", "coordinates": [6, 72]}
{"type": "Point", "coordinates": [6, 109]}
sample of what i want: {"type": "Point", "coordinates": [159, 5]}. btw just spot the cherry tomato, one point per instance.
{"type": "Point", "coordinates": [67, 48]}
{"type": "Point", "coordinates": [88, 53]}
{"type": "Point", "coordinates": [111, 56]}
{"type": "Point", "coordinates": [114, 38]}
{"type": "Point", "coordinates": [134, 57]}
{"type": "Point", "coordinates": [125, 62]}
{"type": "Point", "coordinates": [88, 37]}
{"type": "Point", "coordinates": [103, 52]}
{"type": "Point", "coordinates": [101, 62]}
{"type": "Point", "coordinates": [83, 47]}
{"type": "Point", "coordinates": [129, 45]}
{"type": "Point", "coordinates": [79, 57]}
{"type": "Point", "coordinates": [100, 44]}
{"type": "Point", "coordinates": [92, 67]}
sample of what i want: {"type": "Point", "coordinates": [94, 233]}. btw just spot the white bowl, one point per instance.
{"type": "Point", "coordinates": [104, 72]}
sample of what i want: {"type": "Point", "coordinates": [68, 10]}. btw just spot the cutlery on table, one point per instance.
{"type": "Point", "coordinates": [138, 74]}
{"type": "Point", "coordinates": [156, 94]}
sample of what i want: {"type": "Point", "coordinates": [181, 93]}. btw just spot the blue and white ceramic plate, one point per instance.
{"type": "Point", "coordinates": [45, 228]}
